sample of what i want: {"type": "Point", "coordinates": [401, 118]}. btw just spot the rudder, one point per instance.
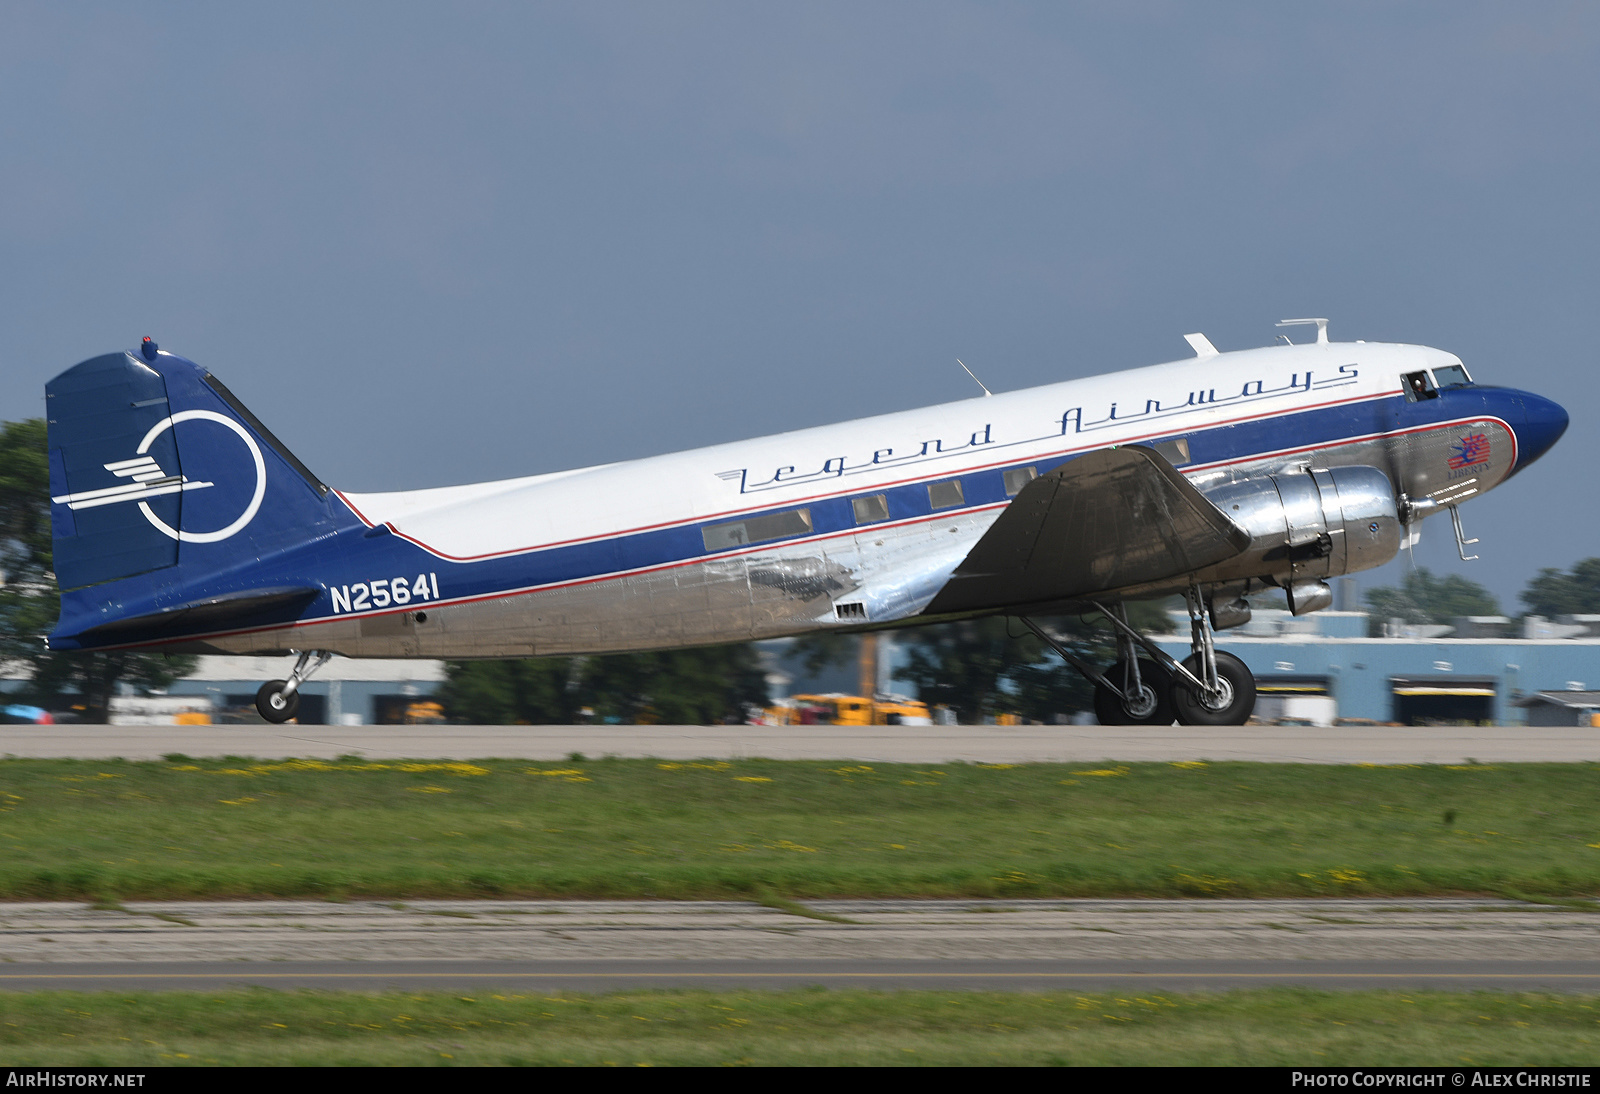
{"type": "Point", "coordinates": [101, 484]}
{"type": "Point", "coordinates": [162, 482]}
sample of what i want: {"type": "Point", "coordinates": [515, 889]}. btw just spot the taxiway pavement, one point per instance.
{"type": "Point", "coordinates": [991, 944]}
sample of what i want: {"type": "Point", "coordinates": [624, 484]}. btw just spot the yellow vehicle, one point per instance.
{"type": "Point", "coordinates": [424, 713]}
{"type": "Point", "coordinates": [835, 709]}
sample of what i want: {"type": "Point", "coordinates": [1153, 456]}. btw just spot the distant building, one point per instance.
{"type": "Point", "coordinates": [345, 691]}
{"type": "Point", "coordinates": [1480, 626]}
{"type": "Point", "coordinates": [1562, 708]}
{"type": "Point", "coordinates": [1410, 679]}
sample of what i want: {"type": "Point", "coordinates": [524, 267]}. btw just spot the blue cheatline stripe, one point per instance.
{"type": "Point", "coordinates": [351, 556]}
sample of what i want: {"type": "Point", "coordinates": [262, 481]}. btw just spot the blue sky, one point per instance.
{"type": "Point", "coordinates": [436, 243]}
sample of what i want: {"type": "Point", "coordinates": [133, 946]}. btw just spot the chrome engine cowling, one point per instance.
{"type": "Point", "coordinates": [1307, 526]}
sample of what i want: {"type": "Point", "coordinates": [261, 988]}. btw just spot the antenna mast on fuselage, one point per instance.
{"type": "Point", "coordinates": [975, 379]}
{"type": "Point", "coordinates": [1322, 327]}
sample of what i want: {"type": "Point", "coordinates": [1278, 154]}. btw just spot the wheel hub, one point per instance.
{"type": "Point", "coordinates": [1220, 699]}
{"type": "Point", "coordinates": [1142, 704]}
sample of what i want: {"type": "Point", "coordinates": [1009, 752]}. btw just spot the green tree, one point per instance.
{"type": "Point", "coordinates": [826, 649]}
{"type": "Point", "coordinates": [703, 685]}
{"type": "Point", "coordinates": [24, 497]}
{"type": "Point", "coordinates": [26, 609]}
{"type": "Point", "coordinates": [30, 603]}
{"type": "Point", "coordinates": [965, 665]}
{"type": "Point", "coordinates": [535, 691]}
{"type": "Point", "coordinates": [1424, 598]}
{"type": "Point", "coordinates": [1042, 689]}
{"type": "Point", "coordinates": [1576, 592]}
{"type": "Point", "coordinates": [700, 686]}
{"type": "Point", "coordinates": [984, 667]}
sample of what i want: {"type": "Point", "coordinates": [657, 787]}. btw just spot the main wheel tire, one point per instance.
{"type": "Point", "coordinates": [1232, 708]}
{"type": "Point", "coordinates": [273, 705]}
{"type": "Point", "coordinates": [1152, 708]}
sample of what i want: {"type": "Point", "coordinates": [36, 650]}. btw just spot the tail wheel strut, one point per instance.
{"type": "Point", "coordinates": [279, 700]}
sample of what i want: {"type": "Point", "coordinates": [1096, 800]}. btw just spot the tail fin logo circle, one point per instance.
{"type": "Point", "coordinates": [255, 499]}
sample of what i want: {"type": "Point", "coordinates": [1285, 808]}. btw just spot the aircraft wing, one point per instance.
{"type": "Point", "coordinates": [1107, 520]}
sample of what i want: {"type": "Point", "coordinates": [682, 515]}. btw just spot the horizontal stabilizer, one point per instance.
{"type": "Point", "coordinates": [1111, 519]}
{"type": "Point", "coordinates": [215, 611]}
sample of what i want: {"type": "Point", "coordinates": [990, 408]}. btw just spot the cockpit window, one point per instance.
{"type": "Point", "coordinates": [1451, 376]}
{"type": "Point", "coordinates": [1419, 386]}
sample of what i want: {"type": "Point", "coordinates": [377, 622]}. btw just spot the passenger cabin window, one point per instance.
{"type": "Point", "coordinates": [945, 495]}
{"type": "Point", "coordinates": [1017, 478]}
{"type": "Point", "coordinates": [871, 508]}
{"type": "Point", "coordinates": [718, 537]}
{"type": "Point", "coordinates": [1419, 386]}
{"type": "Point", "coordinates": [1451, 376]}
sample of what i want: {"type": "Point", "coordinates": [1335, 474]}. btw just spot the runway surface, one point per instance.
{"type": "Point", "coordinates": [881, 744]}
{"type": "Point", "coordinates": [1183, 945]}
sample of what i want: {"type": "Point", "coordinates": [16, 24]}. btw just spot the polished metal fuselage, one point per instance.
{"type": "Point", "coordinates": [879, 574]}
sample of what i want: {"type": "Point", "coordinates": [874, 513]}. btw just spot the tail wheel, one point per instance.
{"type": "Point", "coordinates": [1152, 706]}
{"type": "Point", "coordinates": [1234, 702]}
{"type": "Point", "coordinates": [274, 705]}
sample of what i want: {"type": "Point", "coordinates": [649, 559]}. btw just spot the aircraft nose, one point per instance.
{"type": "Point", "coordinates": [1543, 423]}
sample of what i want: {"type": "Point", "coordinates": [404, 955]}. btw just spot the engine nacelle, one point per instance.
{"type": "Point", "coordinates": [1308, 526]}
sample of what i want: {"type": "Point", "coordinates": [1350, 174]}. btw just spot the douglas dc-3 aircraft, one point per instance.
{"type": "Point", "coordinates": [181, 523]}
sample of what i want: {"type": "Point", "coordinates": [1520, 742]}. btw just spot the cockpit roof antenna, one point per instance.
{"type": "Point", "coordinates": [963, 364]}
{"type": "Point", "coordinates": [1322, 327]}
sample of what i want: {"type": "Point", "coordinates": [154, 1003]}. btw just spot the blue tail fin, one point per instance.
{"type": "Point", "coordinates": [162, 483]}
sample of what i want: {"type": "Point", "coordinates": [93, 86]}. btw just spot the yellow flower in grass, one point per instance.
{"type": "Point", "coordinates": [1206, 883]}
{"type": "Point", "coordinates": [450, 768]}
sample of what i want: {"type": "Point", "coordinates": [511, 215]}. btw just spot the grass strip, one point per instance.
{"type": "Point", "coordinates": [795, 830]}
{"type": "Point", "coordinates": [1279, 1026]}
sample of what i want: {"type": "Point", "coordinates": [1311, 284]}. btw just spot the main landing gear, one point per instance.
{"type": "Point", "coordinates": [279, 700]}
{"type": "Point", "coordinates": [1207, 688]}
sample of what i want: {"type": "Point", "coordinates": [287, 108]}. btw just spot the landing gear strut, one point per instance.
{"type": "Point", "coordinates": [1143, 698]}
{"type": "Point", "coordinates": [1207, 688]}
{"type": "Point", "coordinates": [1226, 691]}
{"type": "Point", "coordinates": [1136, 690]}
{"type": "Point", "coordinates": [279, 700]}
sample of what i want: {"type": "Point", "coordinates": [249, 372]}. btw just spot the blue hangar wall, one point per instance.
{"type": "Point", "coordinates": [1387, 679]}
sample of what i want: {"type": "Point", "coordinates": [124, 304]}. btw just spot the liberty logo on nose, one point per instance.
{"type": "Point", "coordinates": [148, 480]}
{"type": "Point", "coordinates": [1473, 448]}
